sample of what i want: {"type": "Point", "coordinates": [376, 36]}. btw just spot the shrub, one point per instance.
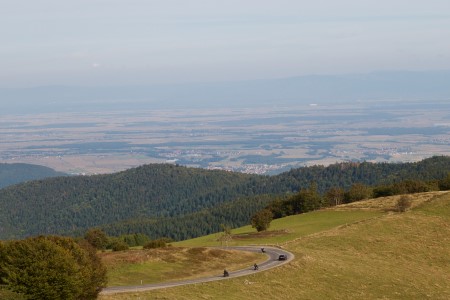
{"type": "Point", "coordinates": [97, 238]}
{"type": "Point", "coordinates": [383, 191]}
{"type": "Point", "coordinates": [51, 267]}
{"type": "Point", "coordinates": [117, 244]}
{"type": "Point", "coordinates": [159, 243]}
{"type": "Point", "coordinates": [261, 220]}
{"type": "Point", "coordinates": [136, 239]}
{"type": "Point", "coordinates": [404, 203]}
{"type": "Point", "coordinates": [410, 187]}
{"type": "Point", "coordinates": [444, 184]}
{"type": "Point", "coordinates": [357, 192]}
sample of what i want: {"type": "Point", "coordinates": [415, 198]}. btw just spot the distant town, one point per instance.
{"type": "Point", "coordinates": [265, 140]}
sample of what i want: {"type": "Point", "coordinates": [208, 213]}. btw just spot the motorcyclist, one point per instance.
{"type": "Point", "coordinates": [255, 267]}
{"type": "Point", "coordinates": [225, 273]}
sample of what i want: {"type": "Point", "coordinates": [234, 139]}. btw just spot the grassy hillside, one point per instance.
{"type": "Point", "coordinates": [365, 251]}
{"type": "Point", "coordinates": [175, 201]}
{"type": "Point", "coordinates": [286, 229]}
{"type": "Point", "coordinates": [146, 266]}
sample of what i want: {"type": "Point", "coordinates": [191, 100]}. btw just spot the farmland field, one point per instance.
{"type": "Point", "coordinates": [264, 140]}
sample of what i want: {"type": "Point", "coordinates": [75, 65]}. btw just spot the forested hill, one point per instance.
{"type": "Point", "coordinates": [66, 204]}
{"type": "Point", "coordinates": [170, 200]}
{"type": "Point", "coordinates": [15, 173]}
{"type": "Point", "coordinates": [345, 174]}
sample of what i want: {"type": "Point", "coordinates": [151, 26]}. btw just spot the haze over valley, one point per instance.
{"type": "Point", "coordinates": [259, 140]}
{"type": "Point", "coordinates": [257, 86]}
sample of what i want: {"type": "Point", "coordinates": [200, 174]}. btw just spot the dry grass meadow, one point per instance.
{"type": "Point", "coordinates": [386, 255]}
{"type": "Point", "coordinates": [136, 267]}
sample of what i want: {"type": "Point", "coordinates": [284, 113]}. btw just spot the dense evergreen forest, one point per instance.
{"type": "Point", "coordinates": [16, 173]}
{"type": "Point", "coordinates": [179, 202]}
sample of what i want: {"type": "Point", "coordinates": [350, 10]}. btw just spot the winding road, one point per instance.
{"type": "Point", "coordinates": [271, 262]}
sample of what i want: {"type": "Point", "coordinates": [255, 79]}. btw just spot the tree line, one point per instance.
{"type": "Point", "coordinates": [180, 202]}
{"type": "Point", "coordinates": [309, 199]}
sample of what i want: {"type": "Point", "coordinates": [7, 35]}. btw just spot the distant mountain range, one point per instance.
{"type": "Point", "coordinates": [178, 202]}
{"type": "Point", "coordinates": [16, 173]}
{"type": "Point", "coordinates": [394, 86]}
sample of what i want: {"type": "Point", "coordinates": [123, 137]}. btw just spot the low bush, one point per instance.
{"type": "Point", "coordinates": [404, 203]}
{"type": "Point", "coordinates": [118, 245]}
{"type": "Point", "coordinates": [159, 243]}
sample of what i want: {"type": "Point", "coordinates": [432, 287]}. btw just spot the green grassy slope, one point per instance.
{"type": "Point", "coordinates": [285, 229]}
{"type": "Point", "coordinates": [382, 255]}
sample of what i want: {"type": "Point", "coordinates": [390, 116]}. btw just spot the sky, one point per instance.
{"type": "Point", "coordinates": [146, 42]}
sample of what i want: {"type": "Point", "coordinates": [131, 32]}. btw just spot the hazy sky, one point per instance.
{"type": "Point", "coordinates": [89, 42]}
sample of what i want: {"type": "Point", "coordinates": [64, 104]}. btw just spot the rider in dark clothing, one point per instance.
{"type": "Point", "coordinates": [255, 267]}
{"type": "Point", "coordinates": [225, 273]}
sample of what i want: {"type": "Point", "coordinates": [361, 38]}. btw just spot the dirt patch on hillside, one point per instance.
{"type": "Point", "coordinates": [388, 203]}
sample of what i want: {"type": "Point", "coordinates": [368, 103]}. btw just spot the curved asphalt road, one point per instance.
{"type": "Point", "coordinates": [271, 262]}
